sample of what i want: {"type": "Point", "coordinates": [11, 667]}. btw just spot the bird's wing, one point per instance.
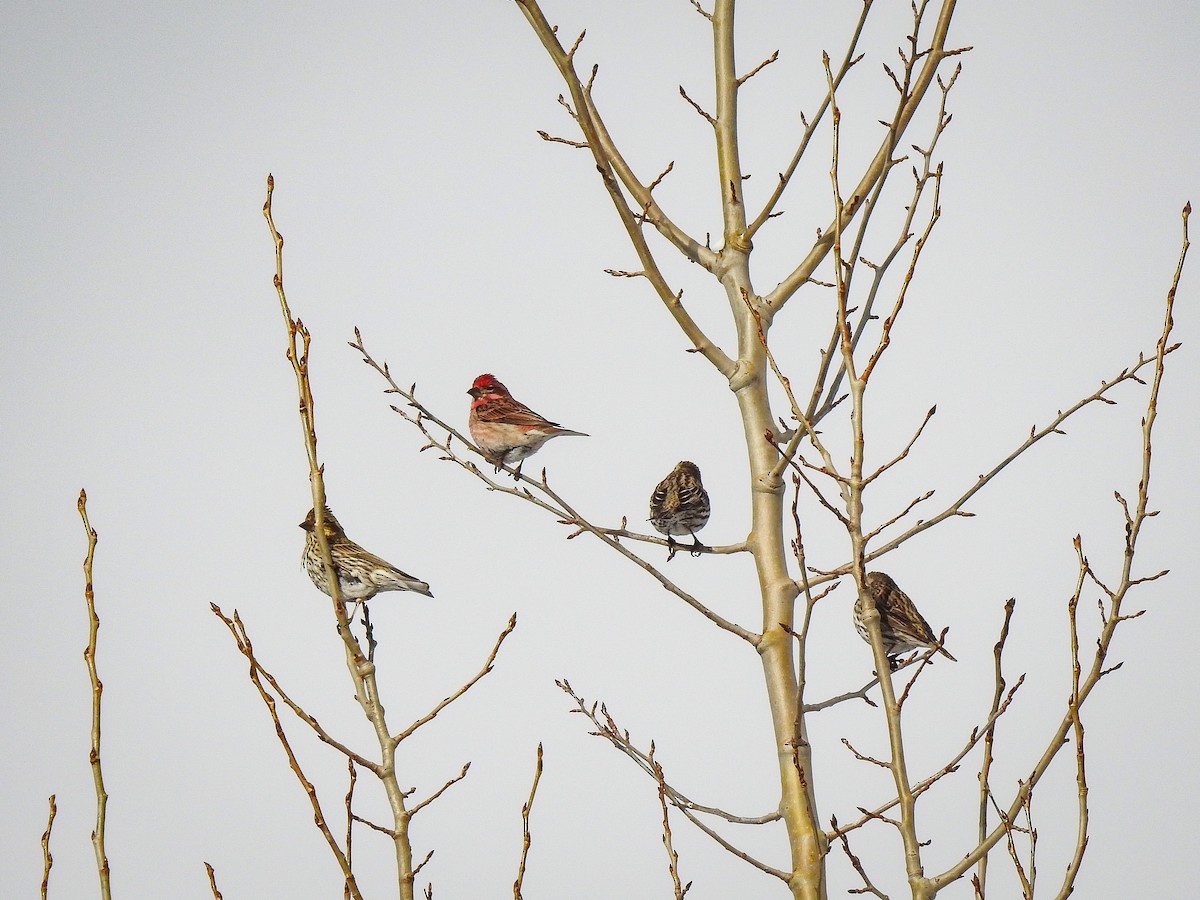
{"type": "Point", "coordinates": [368, 559]}
{"type": "Point", "coordinates": [659, 497]}
{"type": "Point", "coordinates": [510, 412]}
{"type": "Point", "coordinates": [384, 564]}
{"type": "Point", "coordinates": [906, 619]}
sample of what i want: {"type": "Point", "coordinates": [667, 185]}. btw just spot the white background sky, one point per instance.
{"type": "Point", "coordinates": [143, 360]}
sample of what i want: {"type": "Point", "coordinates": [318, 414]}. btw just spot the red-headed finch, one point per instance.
{"type": "Point", "coordinates": [679, 505]}
{"type": "Point", "coordinates": [901, 626]}
{"type": "Point", "coordinates": [361, 575]}
{"type": "Point", "coordinates": [505, 429]}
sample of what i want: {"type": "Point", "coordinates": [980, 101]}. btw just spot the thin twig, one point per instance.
{"type": "Point", "coordinates": [352, 776]}
{"type": "Point", "coordinates": [546, 136]}
{"type": "Point", "coordinates": [607, 728]}
{"type": "Point", "coordinates": [874, 532]}
{"type": "Point", "coordinates": [952, 765]}
{"type": "Point", "coordinates": [862, 757]}
{"type": "Point", "coordinates": [47, 857]}
{"type": "Point", "coordinates": [526, 836]}
{"type": "Point", "coordinates": [697, 107]}
{"type": "Point", "coordinates": [1081, 839]}
{"type": "Point", "coordinates": [1134, 521]}
{"type": "Point", "coordinates": [868, 887]}
{"type": "Point", "coordinates": [860, 694]}
{"type": "Point", "coordinates": [360, 667]}
{"type": "Point", "coordinates": [923, 659]}
{"type": "Point", "coordinates": [774, 57]}
{"type": "Point", "coordinates": [417, 807]}
{"type": "Point", "coordinates": [902, 455]}
{"type": "Point", "coordinates": [374, 826]}
{"type": "Point", "coordinates": [616, 173]}
{"type": "Point", "coordinates": [933, 56]}
{"type": "Point", "coordinates": [420, 866]}
{"type": "Point", "coordinates": [989, 736]}
{"type": "Point", "coordinates": [242, 639]}
{"type": "Point", "coordinates": [471, 682]}
{"type": "Point", "coordinates": [810, 128]}
{"type": "Point", "coordinates": [89, 657]}
{"type": "Point", "coordinates": [672, 857]}
{"type": "Point", "coordinates": [212, 881]}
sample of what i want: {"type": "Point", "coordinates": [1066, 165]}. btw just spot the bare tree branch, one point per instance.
{"type": "Point", "coordinates": [879, 166]}
{"type": "Point", "coordinates": [1081, 840]}
{"type": "Point", "coordinates": [89, 657]}
{"type": "Point", "coordinates": [920, 787]}
{"type": "Point", "coordinates": [868, 887]}
{"type": "Point", "coordinates": [417, 807]}
{"type": "Point", "coordinates": [242, 639]}
{"type": "Point", "coordinates": [526, 837]}
{"type": "Point", "coordinates": [359, 666]}
{"type": "Point", "coordinates": [1133, 529]}
{"type": "Point", "coordinates": [989, 736]}
{"type": "Point", "coordinates": [614, 172]}
{"type": "Point", "coordinates": [47, 857]}
{"type": "Point", "coordinates": [672, 857]}
{"type": "Point", "coordinates": [697, 107]}
{"type": "Point", "coordinates": [818, 408]}
{"type": "Point", "coordinates": [212, 881]}
{"type": "Point", "coordinates": [785, 177]}
{"type": "Point", "coordinates": [470, 683]}
{"type": "Point", "coordinates": [352, 773]}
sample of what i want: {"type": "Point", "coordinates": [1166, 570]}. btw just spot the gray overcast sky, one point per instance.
{"type": "Point", "coordinates": [143, 360]}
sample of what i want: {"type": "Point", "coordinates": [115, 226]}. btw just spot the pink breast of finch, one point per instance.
{"type": "Point", "coordinates": [506, 430]}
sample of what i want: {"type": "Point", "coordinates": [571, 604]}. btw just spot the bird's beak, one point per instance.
{"type": "Point", "coordinates": [474, 392]}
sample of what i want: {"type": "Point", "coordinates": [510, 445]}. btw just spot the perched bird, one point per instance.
{"type": "Point", "coordinates": [505, 429]}
{"type": "Point", "coordinates": [679, 505]}
{"type": "Point", "coordinates": [900, 625]}
{"type": "Point", "coordinates": [361, 575]}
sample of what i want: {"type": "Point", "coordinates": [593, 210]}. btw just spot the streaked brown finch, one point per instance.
{"type": "Point", "coordinates": [361, 575]}
{"type": "Point", "coordinates": [679, 505]}
{"type": "Point", "coordinates": [901, 626]}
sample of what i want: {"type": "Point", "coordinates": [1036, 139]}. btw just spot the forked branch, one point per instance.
{"type": "Point", "coordinates": [616, 174]}
{"type": "Point", "coordinates": [931, 58]}
{"type": "Point", "coordinates": [359, 666]}
{"type": "Point", "coordinates": [467, 685]}
{"type": "Point", "coordinates": [1135, 519]}
{"type": "Point", "coordinates": [242, 639]}
{"type": "Point", "coordinates": [608, 729]}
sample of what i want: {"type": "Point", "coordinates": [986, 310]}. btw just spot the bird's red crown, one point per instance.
{"type": "Point", "coordinates": [487, 381]}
